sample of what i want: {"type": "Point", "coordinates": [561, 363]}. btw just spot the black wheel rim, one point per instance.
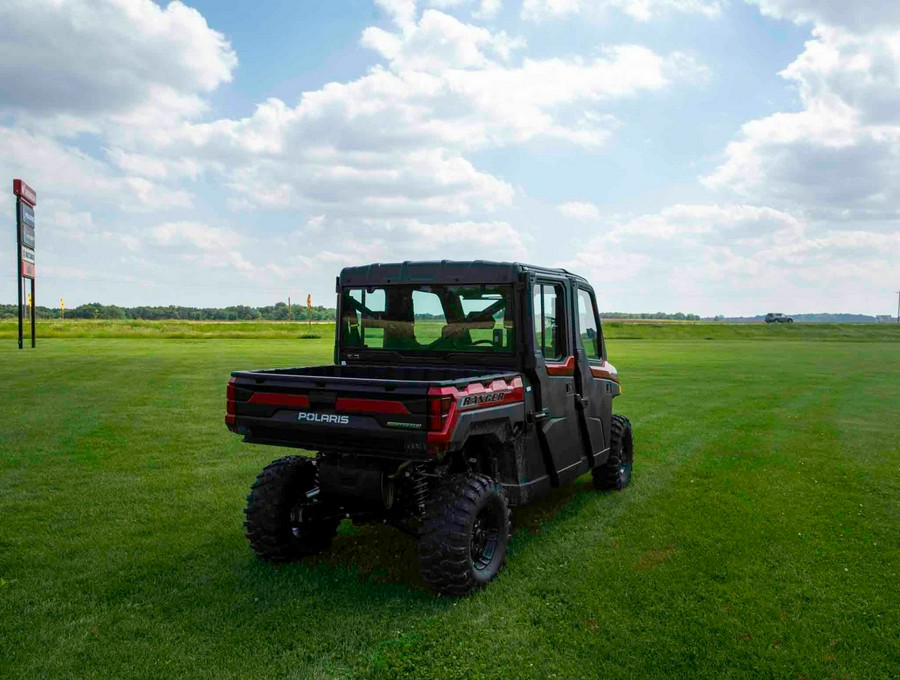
{"type": "Point", "coordinates": [298, 521]}
{"type": "Point", "coordinates": [485, 536]}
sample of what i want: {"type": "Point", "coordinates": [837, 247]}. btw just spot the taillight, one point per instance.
{"type": "Point", "coordinates": [438, 410]}
{"type": "Point", "coordinates": [230, 404]}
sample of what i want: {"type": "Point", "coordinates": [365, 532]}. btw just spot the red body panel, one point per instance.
{"type": "Point", "coordinates": [498, 393]}
{"type": "Point", "coordinates": [565, 368]}
{"type": "Point", "coordinates": [350, 405]}
{"type": "Point", "coordinates": [277, 399]}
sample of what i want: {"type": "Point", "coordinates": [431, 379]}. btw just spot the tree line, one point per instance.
{"type": "Point", "coordinates": [94, 310]}
{"type": "Point", "coordinates": [277, 312]}
{"type": "Point", "coordinates": [665, 316]}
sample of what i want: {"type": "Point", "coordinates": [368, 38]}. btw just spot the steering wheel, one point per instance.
{"type": "Point", "coordinates": [483, 341]}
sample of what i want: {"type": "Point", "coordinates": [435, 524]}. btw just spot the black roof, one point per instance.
{"type": "Point", "coordinates": [444, 271]}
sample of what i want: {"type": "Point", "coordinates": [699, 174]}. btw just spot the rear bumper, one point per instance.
{"type": "Point", "coordinates": [365, 438]}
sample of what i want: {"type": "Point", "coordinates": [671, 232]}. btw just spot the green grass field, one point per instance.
{"type": "Point", "coordinates": [760, 537]}
{"type": "Point", "coordinates": [616, 330]}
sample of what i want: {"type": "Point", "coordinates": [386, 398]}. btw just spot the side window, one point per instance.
{"type": "Point", "coordinates": [549, 320]}
{"type": "Point", "coordinates": [363, 329]}
{"type": "Point", "coordinates": [429, 316]}
{"type": "Point", "coordinates": [588, 324]}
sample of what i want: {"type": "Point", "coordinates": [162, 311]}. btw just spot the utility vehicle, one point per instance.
{"type": "Point", "coordinates": [778, 317]}
{"type": "Point", "coordinates": [458, 390]}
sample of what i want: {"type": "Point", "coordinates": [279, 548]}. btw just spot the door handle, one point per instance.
{"type": "Point", "coordinates": [583, 402]}
{"type": "Point", "coordinates": [540, 416]}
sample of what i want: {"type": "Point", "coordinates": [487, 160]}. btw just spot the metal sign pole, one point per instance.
{"type": "Point", "coordinates": [19, 270]}
{"type": "Point", "coordinates": [33, 303]}
{"type": "Point", "coordinates": [26, 199]}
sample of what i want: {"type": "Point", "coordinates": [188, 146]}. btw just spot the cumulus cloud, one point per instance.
{"type": "Point", "coordinates": [706, 254]}
{"type": "Point", "coordinates": [733, 223]}
{"type": "Point", "coordinates": [387, 156]}
{"type": "Point", "coordinates": [401, 12]}
{"type": "Point", "coordinates": [641, 10]}
{"type": "Point", "coordinates": [96, 58]}
{"type": "Point", "coordinates": [483, 9]}
{"type": "Point", "coordinates": [438, 42]}
{"type": "Point", "coordinates": [579, 211]}
{"type": "Point", "coordinates": [195, 234]}
{"type": "Point", "coordinates": [394, 143]}
{"type": "Point", "coordinates": [71, 173]}
{"type": "Point", "coordinates": [854, 16]}
{"type": "Point", "coordinates": [838, 157]}
{"type": "Point", "coordinates": [396, 163]}
{"type": "Point", "coordinates": [411, 238]}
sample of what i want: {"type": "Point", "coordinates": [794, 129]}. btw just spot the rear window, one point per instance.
{"type": "Point", "coordinates": [428, 318]}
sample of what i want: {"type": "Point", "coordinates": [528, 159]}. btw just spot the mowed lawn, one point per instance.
{"type": "Point", "coordinates": [760, 536]}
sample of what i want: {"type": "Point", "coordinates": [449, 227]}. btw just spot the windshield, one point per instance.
{"type": "Point", "coordinates": [428, 318]}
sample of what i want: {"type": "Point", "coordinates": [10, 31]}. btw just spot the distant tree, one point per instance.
{"type": "Point", "coordinates": [95, 310]}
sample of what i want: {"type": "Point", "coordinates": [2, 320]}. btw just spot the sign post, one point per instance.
{"type": "Point", "coordinates": [26, 200]}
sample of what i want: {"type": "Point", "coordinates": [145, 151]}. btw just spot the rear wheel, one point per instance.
{"type": "Point", "coordinates": [615, 473]}
{"type": "Point", "coordinates": [463, 542]}
{"type": "Point", "coordinates": [284, 521]}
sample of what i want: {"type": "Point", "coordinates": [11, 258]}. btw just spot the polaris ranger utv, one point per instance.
{"type": "Point", "coordinates": [458, 390]}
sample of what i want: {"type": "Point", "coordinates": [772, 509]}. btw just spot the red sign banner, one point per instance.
{"type": "Point", "coordinates": [25, 192]}
{"type": "Point", "coordinates": [28, 262]}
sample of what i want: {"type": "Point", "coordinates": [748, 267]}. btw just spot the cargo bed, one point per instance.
{"type": "Point", "coordinates": [374, 409]}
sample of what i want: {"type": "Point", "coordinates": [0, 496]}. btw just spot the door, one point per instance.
{"type": "Point", "coordinates": [555, 367]}
{"type": "Point", "coordinates": [595, 382]}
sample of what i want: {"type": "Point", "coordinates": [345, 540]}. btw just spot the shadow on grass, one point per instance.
{"type": "Point", "coordinates": [379, 555]}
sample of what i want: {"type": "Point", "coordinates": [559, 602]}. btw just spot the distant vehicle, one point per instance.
{"type": "Point", "coordinates": [778, 317]}
{"type": "Point", "coordinates": [459, 389]}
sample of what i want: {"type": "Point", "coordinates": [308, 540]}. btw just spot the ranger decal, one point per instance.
{"type": "Point", "coordinates": [475, 400]}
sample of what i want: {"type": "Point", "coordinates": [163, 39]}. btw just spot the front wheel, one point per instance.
{"type": "Point", "coordinates": [463, 542]}
{"type": "Point", "coordinates": [615, 473]}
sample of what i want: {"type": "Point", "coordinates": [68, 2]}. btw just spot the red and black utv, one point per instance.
{"type": "Point", "coordinates": [458, 390]}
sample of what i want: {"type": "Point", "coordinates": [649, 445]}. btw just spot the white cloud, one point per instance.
{"type": "Point", "coordinates": [203, 247]}
{"type": "Point", "coordinates": [538, 10]}
{"type": "Point", "coordinates": [864, 16]}
{"type": "Point", "coordinates": [413, 239]}
{"type": "Point", "coordinates": [579, 211]}
{"type": "Point", "coordinates": [399, 162]}
{"type": "Point", "coordinates": [486, 9]}
{"type": "Point", "coordinates": [468, 240]}
{"type": "Point", "coordinates": [401, 12]}
{"type": "Point", "coordinates": [640, 10]}
{"type": "Point", "coordinates": [386, 157]}
{"type": "Point", "coordinates": [838, 157]}
{"type": "Point", "coordinates": [63, 171]}
{"type": "Point", "coordinates": [90, 59]}
{"type": "Point", "coordinates": [438, 42]}
{"type": "Point", "coordinates": [393, 143]}
{"type": "Point", "coordinates": [195, 234]}
{"type": "Point", "coordinates": [154, 167]}
{"type": "Point", "coordinates": [730, 223]}
{"type": "Point", "coordinates": [315, 224]}
{"type": "Point", "coordinates": [709, 256]}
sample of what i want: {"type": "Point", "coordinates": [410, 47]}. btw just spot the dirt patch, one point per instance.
{"type": "Point", "coordinates": [651, 558]}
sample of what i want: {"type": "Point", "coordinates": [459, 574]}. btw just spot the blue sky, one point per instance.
{"type": "Point", "coordinates": [707, 156]}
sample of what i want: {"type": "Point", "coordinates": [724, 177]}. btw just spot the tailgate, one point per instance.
{"type": "Point", "coordinates": [330, 413]}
